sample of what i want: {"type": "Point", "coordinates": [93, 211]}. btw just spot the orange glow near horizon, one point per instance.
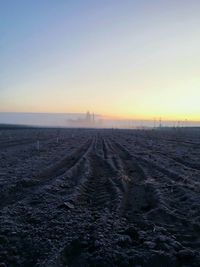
{"type": "Point", "coordinates": [112, 116]}
{"type": "Point", "coordinates": [123, 61]}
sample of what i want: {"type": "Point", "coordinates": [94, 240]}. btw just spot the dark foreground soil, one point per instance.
{"type": "Point", "coordinates": [99, 197]}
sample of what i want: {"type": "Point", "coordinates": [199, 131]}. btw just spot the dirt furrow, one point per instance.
{"type": "Point", "coordinates": [111, 200]}
{"type": "Point", "coordinates": [28, 186]}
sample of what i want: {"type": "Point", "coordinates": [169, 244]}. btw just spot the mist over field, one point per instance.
{"type": "Point", "coordinates": [81, 120]}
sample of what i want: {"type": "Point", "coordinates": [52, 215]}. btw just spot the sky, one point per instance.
{"type": "Point", "coordinates": [121, 59]}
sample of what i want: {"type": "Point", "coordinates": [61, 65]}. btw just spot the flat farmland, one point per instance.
{"type": "Point", "coordinates": [86, 197]}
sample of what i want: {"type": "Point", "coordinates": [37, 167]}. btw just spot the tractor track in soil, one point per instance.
{"type": "Point", "coordinates": [45, 176]}
{"type": "Point", "coordinates": [104, 205]}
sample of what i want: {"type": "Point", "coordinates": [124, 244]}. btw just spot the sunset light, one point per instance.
{"type": "Point", "coordinates": [132, 59]}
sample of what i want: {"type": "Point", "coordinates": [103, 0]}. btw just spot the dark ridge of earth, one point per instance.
{"type": "Point", "coordinates": [99, 198]}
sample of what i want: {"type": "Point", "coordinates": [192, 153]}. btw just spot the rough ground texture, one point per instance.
{"type": "Point", "coordinates": [99, 197]}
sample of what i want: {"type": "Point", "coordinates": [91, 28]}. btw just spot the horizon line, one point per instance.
{"type": "Point", "coordinates": [107, 117]}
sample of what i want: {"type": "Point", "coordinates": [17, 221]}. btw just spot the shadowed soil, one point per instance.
{"type": "Point", "coordinates": [99, 197]}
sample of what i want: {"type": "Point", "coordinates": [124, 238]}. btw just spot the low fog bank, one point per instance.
{"type": "Point", "coordinates": [85, 120]}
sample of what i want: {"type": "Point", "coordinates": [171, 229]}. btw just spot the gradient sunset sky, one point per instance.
{"type": "Point", "coordinates": [122, 58]}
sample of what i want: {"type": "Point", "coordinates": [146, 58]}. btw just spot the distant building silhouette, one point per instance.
{"type": "Point", "coordinates": [87, 122]}
{"type": "Point", "coordinates": [88, 117]}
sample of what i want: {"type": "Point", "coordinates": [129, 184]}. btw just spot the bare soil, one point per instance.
{"type": "Point", "coordinates": [84, 197]}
